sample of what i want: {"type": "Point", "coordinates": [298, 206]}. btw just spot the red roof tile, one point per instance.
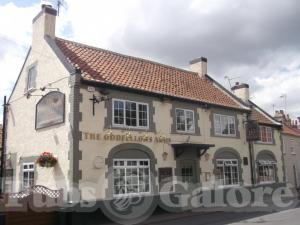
{"type": "Point", "coordinates": [291, 131]}
{"type": "Point", "coordinates": [121, 70]}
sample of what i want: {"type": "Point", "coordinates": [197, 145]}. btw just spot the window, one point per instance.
{"type": "Point", "coordinates": [266, 171]}
{"type": "Point", "coordinates": [227, 172]}
{"type": "Point", "coordinates": [28, 175]}
{"type": "Point", "coordinates": [292, 146]}
{"type": "Point", "coordinates": [31, 78]}
{"type": "Point", "coordinates": [224, 125]}
{"type": "Point", "coordinates": [185, 120]}
{"type": "Point", "coordinates": [266, 135]}
{"type": "Point", "coordinates": [50, 110]}
{"type": "Point", "coordinates": [130, 114]}
{"type": "Point", "coordinates": [131, 176]}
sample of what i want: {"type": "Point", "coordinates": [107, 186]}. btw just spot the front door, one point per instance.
{"type": "Point", "coordinates": [188, 171]}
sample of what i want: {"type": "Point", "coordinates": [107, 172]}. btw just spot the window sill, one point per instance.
{"type": "Point", "coordinates": [132, 195]}
{"type": "Point", "coordinates": [225, 136]}
{"type": "Point", "coordinates": [267, 182]}
{"type": "Point", "coordinates": [185, 132]}
{"type": "Point", "coordinates": [129, 128]}
{"type": "Point", "coordinates": [228, 186]}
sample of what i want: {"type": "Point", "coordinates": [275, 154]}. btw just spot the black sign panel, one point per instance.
{"type": "Point", "coordinates": [252, 129]}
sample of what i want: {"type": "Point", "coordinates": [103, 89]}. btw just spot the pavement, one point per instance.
{"type": "Point", "coordinates": [289, 217]}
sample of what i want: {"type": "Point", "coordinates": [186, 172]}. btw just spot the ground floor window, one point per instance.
{"type": "Point", "coordinates": [131, 176]}
{"type": "Point", "coordinates": [266, 171]}
{"type": "Point", "coordinates": [227, 172]}
{"type": "Point", "coordinates": [28, 175]}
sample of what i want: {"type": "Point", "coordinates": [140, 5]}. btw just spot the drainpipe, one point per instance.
{"type": "Point", "coordinates": [2, 171]}
{"type": "Point", "coordinates": [251, 155]}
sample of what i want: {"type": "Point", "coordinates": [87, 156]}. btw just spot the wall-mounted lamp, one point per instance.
{"type": "Point", "coordinates": [164, 156]}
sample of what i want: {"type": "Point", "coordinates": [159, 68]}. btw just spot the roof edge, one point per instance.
{"type": "Point", "coordinates": [159, 95]}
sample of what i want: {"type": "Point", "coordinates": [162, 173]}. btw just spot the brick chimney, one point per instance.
{"type": "Point", "coordinates": [241, 91]}
{"type": "Point", "coordinates": [199, 66]}
{"type": "Point", "coordinates": [44, 24]}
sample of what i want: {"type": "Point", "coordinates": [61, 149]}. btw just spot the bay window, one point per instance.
{"type": "Point", "coordinates": [185, 120]}
{"type": "Point", "coordinates": [224, 125]}
{"type": "Point", "coordinates": [227, 172]}
{"type": "Point", "coordinates": [131, 176]}
{"type": "Point", "coordinates": [130, 114]}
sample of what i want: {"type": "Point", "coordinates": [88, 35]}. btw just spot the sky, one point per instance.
{"type": "Point", "coordinates": [252, 41]}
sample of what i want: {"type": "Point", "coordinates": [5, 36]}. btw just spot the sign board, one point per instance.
{"type": "Point", "coordinates": [252, 129]}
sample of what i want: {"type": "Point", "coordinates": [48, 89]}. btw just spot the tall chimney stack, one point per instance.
{"type": "Point", "coordinates": [199, 66]}
{"type": "Point", "coordinates": [44, 23]}
{"type": "Point", "coordinates": [241, 91]}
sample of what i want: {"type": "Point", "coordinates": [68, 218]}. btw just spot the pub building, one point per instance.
{"type": "Point", "coordinates": [123, 123]}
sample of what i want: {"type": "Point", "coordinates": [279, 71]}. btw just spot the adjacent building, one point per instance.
{"type": "Point", "coordinates": [291, 147]}
{"type": "Point", "coordinates": [124, 125]}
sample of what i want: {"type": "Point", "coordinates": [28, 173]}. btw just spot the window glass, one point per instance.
{"type": "Point", "coordinates": [227, 172]}
{"type": "Point", "coordinates": [266, 135]}
{"type": "Point", "coordinates": [31, 77]}
{"type": "Point", "coordinates": [130, 114]}
{"type": "Point", "coordinates": [185, 120]}
{"type": "Point", "coordinates": [266, 171]}
{"type": "Point", "coordinates": [28, 175]}
{"type": "Point", "coordinates": [224, 125]}
{"type": "Point", "coordinates": [131, 176]}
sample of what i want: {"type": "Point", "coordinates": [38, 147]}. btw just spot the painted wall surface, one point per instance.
{"type": "Point", "coordinates": [99, 148]}
{"type": "Point", "coordinates": [23, 140]}
{"type": "Point", "coordinates": [291, 153]}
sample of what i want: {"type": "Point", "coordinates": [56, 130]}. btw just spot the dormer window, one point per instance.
{"type": "Point", "coordinates": [266, 135]}
{"type": "Point", "coordinates": [31, 78]}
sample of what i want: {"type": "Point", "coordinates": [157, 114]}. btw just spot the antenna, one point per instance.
{"type": "Point", "coordinates": [284, 96]}
{"type": "Point", "coordinates": [230, 79]}
{"type": "Point", "coordinates": [59, 4]}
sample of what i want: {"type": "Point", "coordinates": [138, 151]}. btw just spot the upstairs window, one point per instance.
{"type": "Point", "coordinates": [266, 134]}
{"type": "Point", "coordinates": [50, 110]}
{"type": "Point", "coordinates": [185, 120]}
{"type": "Point", "coordinates": [28, 175]}
{"type": "Point", "coordinates": [224, 125]}
{"type": "Point", "coordinates": [130, 114]}
{"type": "Point", "coordinates": [31, 78]}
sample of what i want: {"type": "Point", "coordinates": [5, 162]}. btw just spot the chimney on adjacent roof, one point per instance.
{"type": "Point", "coordinates": [241, 91]}
{"type": "Point", "coordinates": [199, 66]}
{"type": "Point", "coordinates": [44, 23]}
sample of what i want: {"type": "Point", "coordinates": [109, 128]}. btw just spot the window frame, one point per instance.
{"type": "Point", "coordinates": [268, 165]}
{"type": "Point", "coordinates": [30, 78]}
{"type": "Point", "coordinates": [124, 115]}
{"type": "Point", "coordinates": [223, 184]}
{"type": "Point", "coordinates": [185, 121]}
{"type": "Point", "coordinates": [266, 130]}
{"type": "Point", "coordinates": [28, 170]}
{"type": "Point", "coordinates": [125, 166]}
{"type": "Point", "coordinates": [222, 124]}
{"type": "Point", "coordinates": [292, 146]}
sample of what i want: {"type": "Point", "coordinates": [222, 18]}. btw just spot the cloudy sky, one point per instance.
{"type": "Point", "coordinates": [257, 41]}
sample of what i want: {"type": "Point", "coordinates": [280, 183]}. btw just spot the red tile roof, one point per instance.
{"type": "Point", "coordinates": [121, 70]}
{"type": "Point", "coordinates": [291, 131]}
{"type": "Point", "coordinates": [261, 116]}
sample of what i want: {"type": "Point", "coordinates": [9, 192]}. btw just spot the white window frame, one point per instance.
{"type": "Point", "coordinates": [29, 86]}
{"type": "Point", "coordinates": [267, 163]}
{"type": "Point", "coordinates": [137, 167]}
{"type": "Point", "coordinates": [185, 123]}
{"type": "Point", "coordinates": [223, 162]}
{"type": "Point", "coordinates": [27, 170]}
{"type": "Point", "coordinates": [268, 129]}
{"type": "Point", "coordinates": [124, 113]}
{"type": "Point", "coordinates": [222, 125]}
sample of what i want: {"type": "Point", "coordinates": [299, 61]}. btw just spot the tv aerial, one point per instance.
{"type": "Point", "coordinates": [229, 79]}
